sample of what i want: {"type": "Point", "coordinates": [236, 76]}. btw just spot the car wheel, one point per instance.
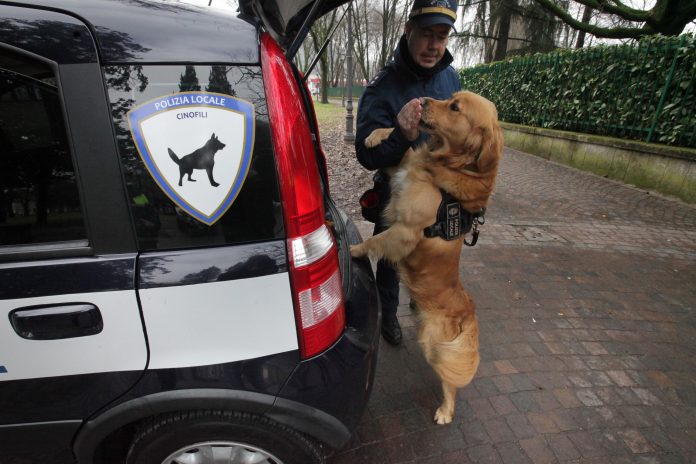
{"type": "Point", "coordinates": [220, 437]}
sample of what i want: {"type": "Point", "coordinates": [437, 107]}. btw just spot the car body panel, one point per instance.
{"type": "Point", "coordinates": [220, 322]}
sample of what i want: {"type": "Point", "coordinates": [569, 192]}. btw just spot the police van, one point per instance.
{"type": "Point", "coordinates": [175, 280]}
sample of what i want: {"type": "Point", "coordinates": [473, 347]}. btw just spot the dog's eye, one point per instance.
{"type": "Point", "coordinates": [454, 107]}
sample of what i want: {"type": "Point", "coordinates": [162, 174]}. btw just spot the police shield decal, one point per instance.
{"type": "Point", "coordinates": [197, 147]}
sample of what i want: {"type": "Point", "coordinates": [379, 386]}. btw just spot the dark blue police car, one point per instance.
{"type": "Point", "coordinates": [175, 279]}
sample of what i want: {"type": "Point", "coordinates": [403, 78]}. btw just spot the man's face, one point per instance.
{"type": "Point", "coordinates": [427, 46]}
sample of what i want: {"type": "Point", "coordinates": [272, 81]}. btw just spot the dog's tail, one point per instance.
{"type": "Point", "coordinates": [454, 359]}
{"type": "Point", "coordinates": [173, 156]}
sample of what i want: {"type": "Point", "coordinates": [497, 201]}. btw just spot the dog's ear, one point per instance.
{"type": "Point", "coordinates": [491, 147]}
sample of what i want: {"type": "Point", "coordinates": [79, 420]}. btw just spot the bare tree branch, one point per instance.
{"type": "Point", "coordinates": [668, 17]}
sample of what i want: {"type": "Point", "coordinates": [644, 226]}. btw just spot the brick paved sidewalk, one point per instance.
{"type": "Point", "coordinates": [587, 307]}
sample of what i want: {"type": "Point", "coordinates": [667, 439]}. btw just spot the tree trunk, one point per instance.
{"type": "Point", "coordinates": [503, 31]}
{"type": "Point", "coordinates": [586, 15]}
{"type": "Point", "coordinates": [323, 67]}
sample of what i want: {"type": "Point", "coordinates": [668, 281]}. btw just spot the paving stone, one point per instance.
{"type": "Point", "coordinates": [525, 401]}
{"type": "Point", "coordinates": [588, 397]}
{"type": "Point", "coordinates": [484, 454]}
{"type": "Point", "coordinates": [504, 366]}
{"type": "Point", "coordinates": [399, 449]}
{"type": "Point", "coordinates": [646, 397]}
{"type": "Point", "coordinates": [520, 426]}
{"type": "Point", "coordinates": [474, 433]}
{"type": "Point", "coordinates": [537, 450]}
{"type": "Point", "coordinates": [622, 379]}
{"type": "Point", "coordinates": [612, 417]}
{"type": "Point", "coordinates": [542, 423]}
{"type": "Point", "coordinates": [485, 386]}
{"type": "Point", "coordinates": [512, 453]}
{"type": "Point", "coordinates": [504, 384]}
{"type": "Point", "coordinates": [587, 444]}
{"type": "Point", "coordinates": [502, 405]}
{"type": "Point", "coordinates": [635, 441]}
{"type": "Point", "coordinates": [562, 447]}
{"type": "Point", "coordinates": [563, 418]}
{"type": "Point", "coordinates": [567, 397]}
{"type": "Point", "coordinates": [499, 431]}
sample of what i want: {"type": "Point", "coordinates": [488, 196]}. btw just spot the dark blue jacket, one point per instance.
{"type": "Point", "coordinates": [400, 81]}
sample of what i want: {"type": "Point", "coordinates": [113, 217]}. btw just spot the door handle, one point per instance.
{"type": "Point", "coordinates": [54, 322]}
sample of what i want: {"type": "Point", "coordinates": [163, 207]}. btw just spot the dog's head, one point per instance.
{"type": "Point", "coordinates": [464, 131]}
{"type": "Point", "coordinates": [215, 143]}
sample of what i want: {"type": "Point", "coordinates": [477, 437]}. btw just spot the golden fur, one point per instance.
{"type": "Point", "coordinates": [462, 158]}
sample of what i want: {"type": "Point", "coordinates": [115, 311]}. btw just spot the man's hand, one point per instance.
{"type": "Point", "coordinates": [409, 118]}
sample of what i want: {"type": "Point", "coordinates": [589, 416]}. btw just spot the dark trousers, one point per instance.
{"type": "Point", "coordinates": [387, 282]}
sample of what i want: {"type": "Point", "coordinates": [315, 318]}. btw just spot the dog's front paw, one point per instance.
{"type": "Point", "coordinates": [373, 140]}
{"type": "Point", "coordinates": [378, 136]}
{"type": "Point", "coordinates": [442, 416]}
{"type": "Point", "coordinates": [357, 251]}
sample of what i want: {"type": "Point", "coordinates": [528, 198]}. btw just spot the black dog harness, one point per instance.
{"type": "Point", "coordinates": [453, 221]}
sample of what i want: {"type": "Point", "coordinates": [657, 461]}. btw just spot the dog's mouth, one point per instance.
{"type": "Point", "coordinates": [434, 141]}
{"type": "Point", "coordinates": [425, 126]}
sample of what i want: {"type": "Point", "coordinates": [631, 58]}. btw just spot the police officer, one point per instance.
{"type": "Point", "coordinates": [420, 68]}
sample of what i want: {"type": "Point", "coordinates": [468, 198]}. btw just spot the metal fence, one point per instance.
{"type": "Point", "coordinates": [645, 91]}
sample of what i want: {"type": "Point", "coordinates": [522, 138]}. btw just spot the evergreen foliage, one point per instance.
{"type": "Point", "coordinates": [644, 92]}
{"type": "Point", "coordinates": [188, 80]}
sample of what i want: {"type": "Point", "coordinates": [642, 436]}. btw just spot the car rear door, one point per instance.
{"type": "Point", "coordinates": [71, 335]}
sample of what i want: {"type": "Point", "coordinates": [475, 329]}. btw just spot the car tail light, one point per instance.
{"type": "Point", "coordinates": [314, 271]}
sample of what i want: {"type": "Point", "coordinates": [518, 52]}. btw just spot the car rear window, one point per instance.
{"type": "Point", "coordinates": [196, 154]}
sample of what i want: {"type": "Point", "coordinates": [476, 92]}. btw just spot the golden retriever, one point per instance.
{"type": "Point", "coordinates": [461, 158]}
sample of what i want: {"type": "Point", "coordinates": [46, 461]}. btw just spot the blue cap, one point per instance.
{"type": "Point", "coordinates": [426, 13]}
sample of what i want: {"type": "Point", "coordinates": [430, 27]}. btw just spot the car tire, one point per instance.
{"type": "Point", "coordinates": [231, 436]}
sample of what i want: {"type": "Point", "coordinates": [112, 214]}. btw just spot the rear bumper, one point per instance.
{"type": "Point", "coordinates": [334, 387]}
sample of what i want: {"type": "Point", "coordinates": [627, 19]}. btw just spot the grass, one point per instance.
{"type": "Point", "coordinates": [332, 113]}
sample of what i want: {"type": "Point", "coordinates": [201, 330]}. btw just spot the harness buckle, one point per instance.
{"type": "Point", "coordinates": [478, 220]}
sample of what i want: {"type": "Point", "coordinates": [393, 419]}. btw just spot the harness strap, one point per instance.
{"type": "Point", "coordinates": [453, 221]}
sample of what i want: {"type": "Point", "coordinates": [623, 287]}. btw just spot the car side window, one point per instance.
{"type": "Point", "coordinates": [39, 200]}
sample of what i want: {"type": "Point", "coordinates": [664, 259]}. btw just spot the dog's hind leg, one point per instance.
{"type": "Point", "coordinates": [181, 176]}
{"type": "Point", "coordinates": [188, 175]}
{"type": "Point", "coordinates": [445, 413]}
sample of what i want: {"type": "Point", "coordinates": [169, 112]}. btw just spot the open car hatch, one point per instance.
{"type": "Point", "coordinates": [288, 21]}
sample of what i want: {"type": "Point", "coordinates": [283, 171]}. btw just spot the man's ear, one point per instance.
{"type": "Point", "coordinates": [408, 28]}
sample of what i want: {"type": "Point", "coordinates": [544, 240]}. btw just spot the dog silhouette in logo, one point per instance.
{"type": "Point", "coordinates": [202, 158]}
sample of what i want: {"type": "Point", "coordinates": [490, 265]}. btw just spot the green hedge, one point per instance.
{"type": "Point", "coordinates": [644, 92]}
{"type": "Point", "coordinates": [337, 92]}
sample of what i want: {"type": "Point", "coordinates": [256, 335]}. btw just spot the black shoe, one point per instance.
{"type": "Point", "coordinates": [391, 330]}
